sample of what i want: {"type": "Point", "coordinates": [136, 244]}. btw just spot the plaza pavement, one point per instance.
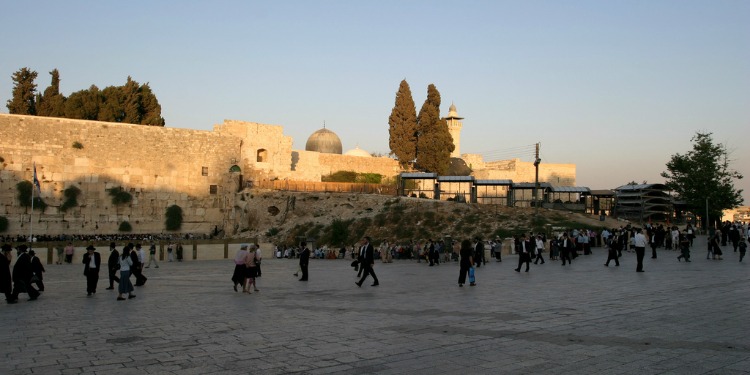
{"type": "Point", "coordinates": [675, 318]}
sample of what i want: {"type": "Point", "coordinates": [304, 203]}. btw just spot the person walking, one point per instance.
{"type": "Point", "coordinates": [152, 255]}
{"type": "Point", "coordinates": [6, 281]}
{"type": "Point", "coordinates": [69, 250]}
{"type": "Point", "coordinates": [37, 270]}
{"type": "Point", "coordinates": [566, 247]}
{"type": "Point", "coordinates": [684, 248]}
{"type": "Point", "coordinates": [466, 263]}
{"type": "Point", "coordinates": [304, 260]}
{"type": "Point", "coordinates": [524, 252]}
{"type": "Point", "coordinates": [743, 248]}
{"type": "Point", "coordinates": [92, 262]}
{"type": "Point", "coordinates": [125, 287]}
{"type": "Point", "coordinates": [238, 277]}
{"type": "Point", "coordinates": [639, 242]}
{"type": "Point", "coordinates": [60, 254]}
{"type": "Point", "coordinates": [137, 268]}
{"type": "Point", "coordinates": [539, 249]}
{"type": "Point", "coordinates": [250, 269]}
{"type": "Point", "coordinates": [479, 252]}
{"type": "Point", "coordinates": [368, 263]}
{"type": "Point", "coordinates": [170, 251]}
{"type": "Point", "coordinates": [612, 246]}
{"type": "Point", "coordinates": [113, 264]}
{"type": "Point", "coordinates": [22, 275]}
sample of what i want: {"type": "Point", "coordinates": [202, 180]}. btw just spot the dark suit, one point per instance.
{"type": "Point", "coordinates": [137, 269]}
{"type": "Point", "coordinates": [566, 247]}
{"type": "Point", "coordinates": [304, 261]}
{"type": "Point", "coordinates": [37, 269]}
{"type": "Point", "coordinates": [479, 253]}
{"type": "Point", "coordinates": [524, 254]}
{"type": "Point", "coordinates": [367, 264]}
{"type": "Point", "coordinates": [91, 273]}
{"type": "Point", "coordinates": [22, 278]}
{"type": "Point", "coordinates": [113, 264]}
{"type": "Point", "coordinates": [6, 284]}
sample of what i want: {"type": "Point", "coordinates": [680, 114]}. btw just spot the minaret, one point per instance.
{"type": "Point", "coordinates": [454, 127]}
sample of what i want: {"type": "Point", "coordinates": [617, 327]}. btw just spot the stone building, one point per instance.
{"type": "Point", "coordinates": [200, 171]}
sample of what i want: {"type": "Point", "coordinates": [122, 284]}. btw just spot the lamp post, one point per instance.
{"type": "Point", "coordinates": [536, 180]}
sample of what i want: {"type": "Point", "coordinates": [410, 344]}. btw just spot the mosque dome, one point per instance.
{"type": "Point", "coordinates": [324, 141]}
{"type": "Point", "coordinates": [358, 152]}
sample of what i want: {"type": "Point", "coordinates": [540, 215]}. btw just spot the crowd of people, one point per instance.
{"type": "Point", "coordinates": [27, 275]}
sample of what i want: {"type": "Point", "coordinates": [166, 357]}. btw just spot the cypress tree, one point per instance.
{"type": "Point", "coordinates": [52, 103]}
{"type": "Point", "coordinates": [435, 143]}
{"type": "Point", "coordinates": [23, 101]}
{"type": "Point", "coordinates": [403, 126]}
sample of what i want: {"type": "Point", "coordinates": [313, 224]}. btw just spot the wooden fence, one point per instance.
{"type": "Point", "coordinates": [327, 187]}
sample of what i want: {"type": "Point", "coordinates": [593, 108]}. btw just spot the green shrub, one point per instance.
{"type": "Point", "coordinates": [71, 194]}
{"type": "Point", "coordinates": [119, 196]}
{"type": "Point", "coordinates": [24, 189]}
{"type": "Point", "coordinates": [173, 218]}
{"type": "Point", "coordinates": [3, 224]}
{"type": "Point", "coordinates": [77, 145]}
{"type": "Point", "coordinates": [125, 227]}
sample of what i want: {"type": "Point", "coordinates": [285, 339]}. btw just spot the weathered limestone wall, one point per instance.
{"type": "Point", "coordinates": [382, 165]}
{"type": "Point", "coordinates": [265, 150]}
{"type": "Point", "coordinates": [158, 166]}
{"type": "Point", "coordinates": [521, 171]}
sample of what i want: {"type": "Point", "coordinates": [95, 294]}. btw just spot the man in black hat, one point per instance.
{"type": "Point", "coordinates": [37, 270]}
{"type": "Point", "coordinates": [113, 264]}
{"type": "Point", "coordinates": [92, 262]}
{"type": "Point", "coordinates": [6, 283]}
{"type": "Point", "coordinates": [22, 275]}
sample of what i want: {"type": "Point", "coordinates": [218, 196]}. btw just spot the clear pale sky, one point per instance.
{"type": "Point", "coordinates": [615, 87]}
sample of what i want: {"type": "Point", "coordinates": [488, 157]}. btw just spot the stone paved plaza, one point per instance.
{"type": "Point", "coordinates": [675, 318]}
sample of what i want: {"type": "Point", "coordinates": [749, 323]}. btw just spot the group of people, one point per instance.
{"type": "Point", "coordinates": [130, 262]}
{"type": "Point", "coordinates": [27, 272]}
{"type": "Point", "coordinates": [247, 268]}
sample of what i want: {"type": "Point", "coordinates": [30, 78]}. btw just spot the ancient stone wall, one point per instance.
{"type": "Point", "coordinates": [333, 163]}
{"type": "Point", "coordinates": [158, 166]}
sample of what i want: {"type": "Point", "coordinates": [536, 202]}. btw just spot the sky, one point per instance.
{"type": "Point", "coordinates": [615, 87]}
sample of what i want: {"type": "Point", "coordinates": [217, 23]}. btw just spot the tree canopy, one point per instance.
{"type": "Point", "coordinates": [434, 143]}
{"type": "Point", "coordinates": [403, 126]}
{"type": "Point", "coordinates": [703, 175]}
{"type": "Point", "coordinates": [131, 103]}
{"type": "Point", "coordinates": [22, 100]}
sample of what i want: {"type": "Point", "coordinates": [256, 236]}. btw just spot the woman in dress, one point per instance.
{"type": "Point", "coordinates": [125, 286]}
{"type": "Point", "coordinates": [238, 277]}
{"type": "Point", "coordinates": [250, 269]}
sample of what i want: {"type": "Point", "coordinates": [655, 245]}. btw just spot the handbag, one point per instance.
{"type": "Point", "coordinates": [472, 279]}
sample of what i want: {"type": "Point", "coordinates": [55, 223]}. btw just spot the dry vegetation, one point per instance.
{"type": "Point", "coordinates": [283, 217]}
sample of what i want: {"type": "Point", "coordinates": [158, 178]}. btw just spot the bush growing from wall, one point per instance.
{"type": "Point", "coordinates": [125, 227]}
{"type": "Point", "coordinates": [71, 194]}
{"type": "Point", "coordinates": [24, 196]}
{"type": "Point", "coordinates": [119, 196]}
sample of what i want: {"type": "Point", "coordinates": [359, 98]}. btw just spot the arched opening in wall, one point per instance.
{"type": "Point", "coordinates": [262, 156]}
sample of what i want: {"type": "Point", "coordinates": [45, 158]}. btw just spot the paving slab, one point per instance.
{"type": "Point", "coordinates": [675, 318]}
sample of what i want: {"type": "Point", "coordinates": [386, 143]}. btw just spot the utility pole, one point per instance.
{"type": "Point", "coordinates": [536, 179]}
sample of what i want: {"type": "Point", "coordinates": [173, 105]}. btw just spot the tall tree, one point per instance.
{"type": "Point", "coordinates": [702, 176]}
{"type": "Point", "coordinates": [150, 107]}
{"type": "Point", "coordinates": [132, 102]}
{"type": "Point", "coordinates": [434, 143]}
{"type": "Point", "coordinates": [112, 108]}
{"type": "Point", "coordinates": [84, 104]}
{"type": "Point", "coordinates": [22, 101]}
{"type": "Point", "coordinates": [403, 126]}
{"type": "Point", "coordinates": [51, 103]}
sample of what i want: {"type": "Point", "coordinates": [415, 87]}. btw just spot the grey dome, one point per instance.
{"type": "Point", "coordinates": [324, 141]}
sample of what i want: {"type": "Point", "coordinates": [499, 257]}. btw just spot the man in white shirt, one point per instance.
{"type": "Point", "coordinates": [639, 242]}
